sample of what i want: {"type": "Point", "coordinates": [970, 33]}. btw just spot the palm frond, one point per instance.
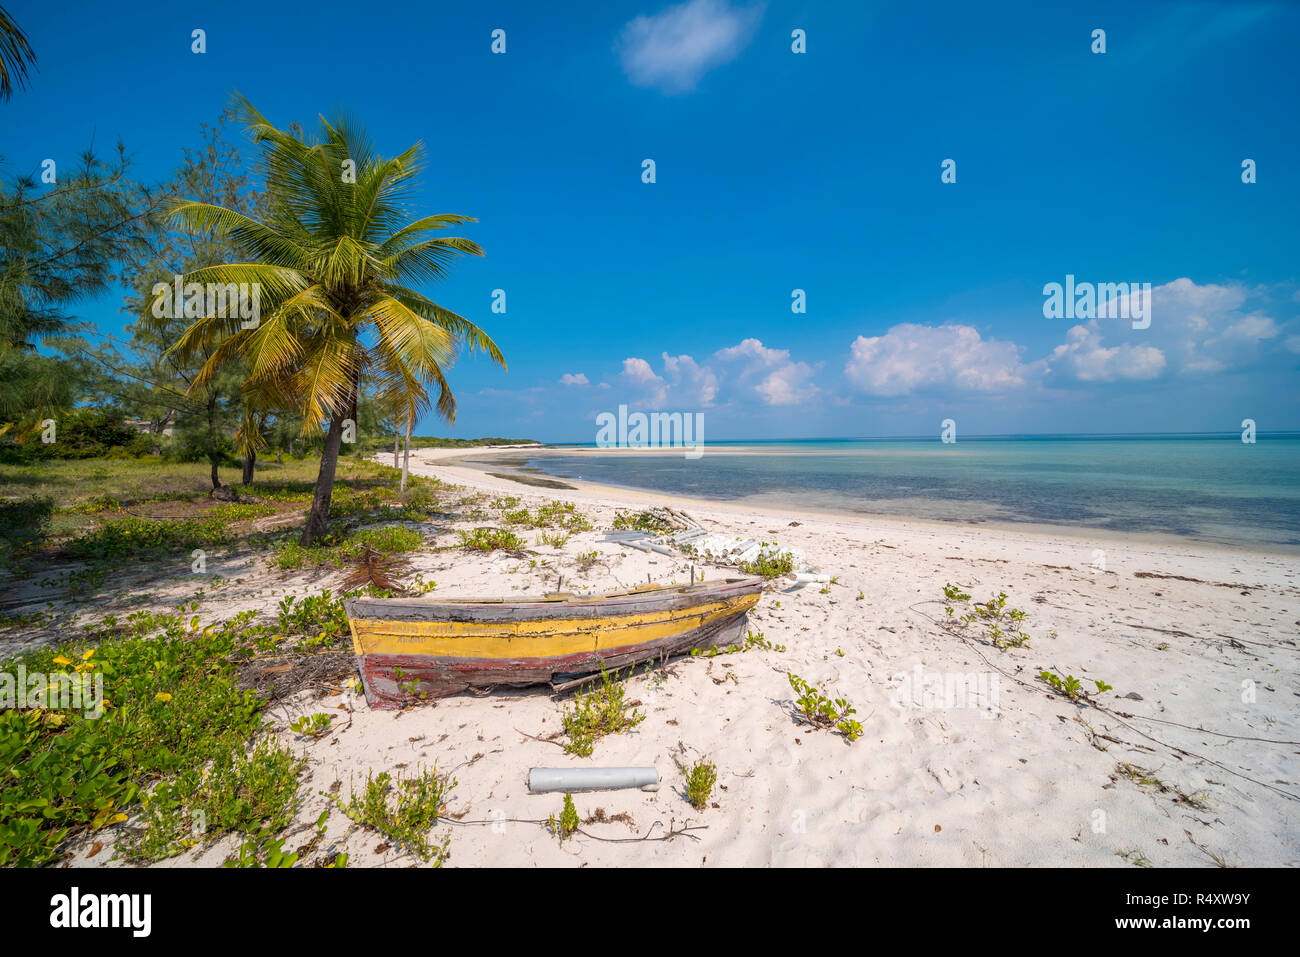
{"type": "Point", "coordinates": [324, 380]}
{"type": "Point", "coordinates": [259, 240]}
{"type": "Point", "coordinates": [15, 55]}
{"type": "Point", "coordinates": [427, 261]}
{"type": "Point", "coordinates": [336, 258]}
{"type": "Point", "coordinates": [457, 325]}
{"type": "Point", "coordinates": [375, 568]}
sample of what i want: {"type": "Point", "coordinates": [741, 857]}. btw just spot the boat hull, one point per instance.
{"type": "Point", "coordinates": [411, 650]}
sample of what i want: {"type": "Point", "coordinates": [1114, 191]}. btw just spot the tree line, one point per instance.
{"type": "Point", "coordinates": [318, 223]}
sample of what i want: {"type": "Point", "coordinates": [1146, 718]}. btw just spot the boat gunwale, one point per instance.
{"type": "Point", "coordinates": [371, 608]}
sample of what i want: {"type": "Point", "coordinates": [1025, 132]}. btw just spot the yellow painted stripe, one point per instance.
{"type": "Point", "coordinates": [534, 639]}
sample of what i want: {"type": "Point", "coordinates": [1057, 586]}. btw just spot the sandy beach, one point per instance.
{"type": "Point", "coordinates": [1191, 759]}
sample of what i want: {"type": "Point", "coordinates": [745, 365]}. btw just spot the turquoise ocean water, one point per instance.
{"type": "Point", "coordinates": [1209, 487]}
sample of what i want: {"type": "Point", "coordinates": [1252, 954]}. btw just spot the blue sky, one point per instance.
{"type": "Point", "coordinates": [778, 171]}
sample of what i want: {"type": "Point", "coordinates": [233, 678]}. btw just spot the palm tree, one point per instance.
{"type": "Point", "coordinates": [249, 440]}
{"type": "Point", "coordinates": [15, 54]}
{"type": "Point", "coordinates": [331, 259]}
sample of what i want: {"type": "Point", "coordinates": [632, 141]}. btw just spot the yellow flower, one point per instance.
{"type": "Point", "coordinates": [88, 655]}
{"type": "Point", "coordinates": [162, 696]}
{"type": "Point", "coordinates": [60, 660]}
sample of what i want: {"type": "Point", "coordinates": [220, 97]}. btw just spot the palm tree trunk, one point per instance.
{"type": "Point", "coordinates": [397, 438]}
{"type": "Point", "coordinates": [250, 462]}
{"type": "Point", "coordinates": [406, 459]}
{"type": "Point", "coordinates": [318, 521]}
{"type": "Point", "coordinates": [214, 452]}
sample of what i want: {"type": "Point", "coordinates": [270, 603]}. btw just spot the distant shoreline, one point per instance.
{"type": "Point", "coordinates": [468, 467]}
{"type": "Point", "coordinates": [729, 444]}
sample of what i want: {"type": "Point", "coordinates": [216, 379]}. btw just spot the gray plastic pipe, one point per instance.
{"type": "Point", "coordinates": [541, 780]}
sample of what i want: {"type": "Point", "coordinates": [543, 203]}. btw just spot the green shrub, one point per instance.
{"type": "Point", "coordinates": [568, 823]}
{"type": "Point", "coordinates": [412, 813]}
{"type": "Point", "coordinates": [243, 793]}
{"type": "Point", "coordinates": [312, 615]}
{"type": "Point", "coordinates": [1003, 627]}
{"type": "Point", "coordinates": [313, 725]}
{"type": "Point", "coordinates": [131, 534]}
{"type": "Point", "coordinates": [84, 433]}
{"type": "Point", "coordinates": [644, 521]}
{"type": "Point", "coordinates": [23, 524]}
{"type": "Point", "coordinates": [769, 564]}
{"type": "Point", "coordinates": [1071, 687]}
{"type": "Point", "coordinates": [598, 713]}
{"type": "Point", "coordinates": [391, 539]}
{"type": "Point", "coordinates": [699, 783]}
{"type": "Point", "coordinates": [561, 515]}
{"type": "Point", "coordinates": [490, 539]}
{"type": "Point", "coordinates": [171, 705]}
{"type": "Point", "coordinates": [753, 639]}
{"type": "Point", "coordinates": [816, 709]}
{"type": "Point", "coordinates": [266, 852]}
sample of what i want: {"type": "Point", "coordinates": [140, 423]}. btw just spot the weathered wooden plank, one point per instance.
{"type": "Point", "coordinates": [644, 599]}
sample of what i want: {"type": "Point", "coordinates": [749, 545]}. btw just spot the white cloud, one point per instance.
{"type": "Point", "coordinates": [916, 358]}
{"type": "Point", "coordinates": [641, 380]}
{"type": "Point", "coordinates": [788, 385]}
{"type": "Point", "coordinates": [1194, 330]}
{"type": "Point", "coordinates": [696, 384]}
{"type": "Point", "coordinates": [1083, 357]}
{"type": "Point", "coordinates": [639, 371]}
{"type": "Point", "coordinates": [780, 381]}
{"type": "Point", "coordinates": [684, 384]}
{"type": "Point", "coordinates": [1251, 329]}
{"type": "Point", "coordinates": [570, 378]}
{"type": "Point", "coordinates": [753, 350]}
{"type": "Point", "coordinates": [672, 49]}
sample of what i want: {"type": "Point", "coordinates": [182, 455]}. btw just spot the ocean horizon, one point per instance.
{"type": "Point", "coordinates": [1203, 486]}
{"type": "Point", "coordinates": [991, 437]}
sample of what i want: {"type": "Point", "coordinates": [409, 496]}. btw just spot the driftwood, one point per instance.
{"type": "Point", "coordinates": [282, 520]}
{"type": "Point", "coordinates": [676, 519]}
{"type": "Point", "coordinates": [283, 676]}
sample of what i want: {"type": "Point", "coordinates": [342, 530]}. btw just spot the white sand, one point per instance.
{"type": "Point", "coordinates": [1012, 785]}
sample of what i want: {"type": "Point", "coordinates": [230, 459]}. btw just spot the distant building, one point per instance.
{"type": "Point", "coordinates": [144, 425]}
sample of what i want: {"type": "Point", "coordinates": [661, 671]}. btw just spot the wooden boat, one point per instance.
{"type": "Point", "coordinates": [410, 649]}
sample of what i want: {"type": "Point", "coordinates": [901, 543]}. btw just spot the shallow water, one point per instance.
{"type": "Point", "coordinates": [1206, 487]}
